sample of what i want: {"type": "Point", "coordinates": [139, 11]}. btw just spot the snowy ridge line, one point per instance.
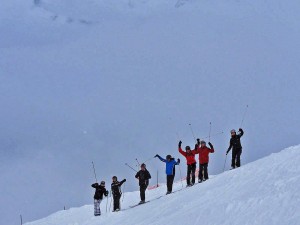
{"type": "Point", "coordinates": [56, 17]}
{"type": "Point", "coordinates": [238, 196]}
{"type": "Point", "coordinates": [96, 9]}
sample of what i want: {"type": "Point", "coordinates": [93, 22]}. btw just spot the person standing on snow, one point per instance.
{"type": "Point", "coordinates": [116, 192]}
{"type": "Point", "coordinates": [143, 175]}
{"type": "Point", "coordinates": [235, 145]}
{"type": "Point", "coordinates": [191, 163]}
{"type": "Point", "coordinates": [170, 170]}
{"type": "Point", "coordinates": [203, 152]}
{"type": "Point", "coordinates": [99, 192]}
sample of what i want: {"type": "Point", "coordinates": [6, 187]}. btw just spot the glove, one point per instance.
{"type": "Point", "coordinates": [124, 180]}
{"type": "Point", "coordinates": [227, 152]}
{"type": "Point", "coordinates": [179, 144]}
{"type": "Point", "coordinates": [156, 156]}
{"type": "Point", "coordinates": [240, 130]}
{"type": "Point", "coordinates": [106, 193]}
{"type": "Point", "coordinates": [198, 141]}
{"type": "Point", "coordinates": [210, 145]}
{"type": "Point", "coordinates": [178, 160]}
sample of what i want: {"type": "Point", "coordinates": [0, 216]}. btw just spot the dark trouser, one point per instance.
{"type": "Point", "coordinates": [143, 189]}
{"type": "Point", "coordinates": [170, 179]}
{"type": "Point", "coordinates": [191, 170]}
{"type": "Point", "coordinates": [236, 157]}
{"type": "Point", "coordinates": [203, 172]}
{"type": "Point", "coordinates": [117, 202]}
{"type": "Point", "coordinates": [97, 211]}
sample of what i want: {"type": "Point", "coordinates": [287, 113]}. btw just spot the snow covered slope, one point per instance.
{"type": "Point", "coordinates": [263, 192]}
{"type": "Point", "coordinates": [84, 79]}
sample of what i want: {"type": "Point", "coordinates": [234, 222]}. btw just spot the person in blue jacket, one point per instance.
{"type": "Point", "coordinates": [170, 170]}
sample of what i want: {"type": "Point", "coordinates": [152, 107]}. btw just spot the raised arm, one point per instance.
{"type": "Point", "coordinates": [180, 149]}
{"type": "Point", "coordinates": [160, 158]}
{"type": "Point", "coordinates": [123, 181]}
{"type": "Point", "coordinates": [211, 149]}
{"type": "Point", "coordinates": [241, 132]}
{"type": "Point", "coordinates": [95, 185]}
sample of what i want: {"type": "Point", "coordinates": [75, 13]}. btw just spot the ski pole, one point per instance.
{"type": "Point", "coordinates": [180, 175]}
{"type": "Point", "coordinates": [138, 162]}
{"type": "Point", "coordinates": [21, 219]}
{"type": "Point", "coordinates": [157, 179]}
{"type": "Point", "coordinates": [149, 159]}
{"type": "Point", "coordinates": [130, 167]}
{"type": "Point", "coordinates": [244, 116]}
{"type": "Point", "coordinates": [209, 131]}
{"type": "Point", "coordinates": [123, 192]}
{"type": "Point", "coordinates": [225, 163]}
{"type": "Point", "coordinates": [94, 172]}
{"type": "Point", "coordinates": [110, 200]}
{"type": "Point", "coordinates": [107, 202]}
{"type": "Point", "coordinates": [192, 131]}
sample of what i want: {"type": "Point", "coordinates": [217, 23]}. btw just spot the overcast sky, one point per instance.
{"type": "Point", "coordinates": [127, 88]}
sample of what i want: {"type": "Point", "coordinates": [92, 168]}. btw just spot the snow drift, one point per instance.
{"type": "Point", "coordinates": [263, 192]}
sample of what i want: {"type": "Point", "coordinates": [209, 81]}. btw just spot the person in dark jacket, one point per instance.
{"type": "Point", "coordinates": [191, 163]}
{"type": "Point", "coordinates": [99, 192]}
{"type": "Point", "coordinates": [235, 145]}
{"type": "Point", "coordinates": [203, 152]}
{"type": "Point", "coordinates": [116, 192]}
{"type": "Point", "coordinates": [170, 170]}
{"type": "Point", "coordinates": [143, 175]}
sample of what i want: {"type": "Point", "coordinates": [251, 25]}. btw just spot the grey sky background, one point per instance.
{"type": "Point", "coordinates": [122, 87]}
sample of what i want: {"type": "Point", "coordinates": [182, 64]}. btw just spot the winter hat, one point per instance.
{"type": "Point", "coordinates": [114, 178]}
{"type": "Point", "coordinates": [233, 131]}
{"type": "Point", "coordinates": [187, 148]}
{"type": "Point", "coordinates": [168, 157]}
{"type": "Point", "coordinates": [102, 183]}
{"type": "Point", "coordinates": [143, 165]}
{"type": "Point", "coordinates": [202, 142]}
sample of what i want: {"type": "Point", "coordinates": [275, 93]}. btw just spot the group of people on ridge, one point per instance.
{"type": "Point", "coordinates": [143, 175]}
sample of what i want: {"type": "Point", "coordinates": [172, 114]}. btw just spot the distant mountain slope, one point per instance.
{"type": "Point", "coordinates": [262, 192]}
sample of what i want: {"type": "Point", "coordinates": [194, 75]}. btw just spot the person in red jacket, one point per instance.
{"type": "Point", "coordinates": [191, 163]}
{"type": "Point", "coordinates": [203, 152]}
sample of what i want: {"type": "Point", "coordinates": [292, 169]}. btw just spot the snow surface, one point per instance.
{"type": "Point", "coordinates": [263, 192]}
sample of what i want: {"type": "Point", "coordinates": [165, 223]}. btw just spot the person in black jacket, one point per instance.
{"type": "Point", "coordinates": [99, 192]}
{"type": "Point", "coordinates": [143, 175]}
{"type": "Point", "coordinates": [235, 145]}
{"type": "Point", "coordinates": [116, 192]}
